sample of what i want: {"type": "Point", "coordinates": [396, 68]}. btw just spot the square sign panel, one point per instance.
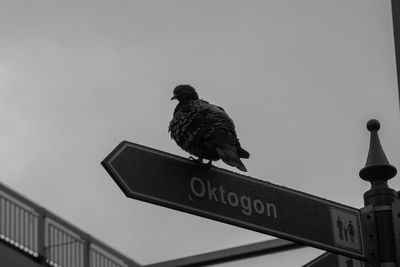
{"type": "Point", "coordinates": [346, 229]}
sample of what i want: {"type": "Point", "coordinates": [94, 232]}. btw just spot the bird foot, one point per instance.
{"type": "Point", "coordinates": [198, 160]}
{"type": "Point", "coordinates": [201, 163]}
{"type": "Point", "coordinates": [208, 164]}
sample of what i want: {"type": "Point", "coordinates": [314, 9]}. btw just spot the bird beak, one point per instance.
{"type": "Point", "coordinates": [174, 97]}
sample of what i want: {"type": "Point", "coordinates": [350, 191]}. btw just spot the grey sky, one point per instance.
{"type": "Point", "coordinates": [299, 78]}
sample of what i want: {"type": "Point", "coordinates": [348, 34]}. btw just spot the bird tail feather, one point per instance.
{"type": "Point", "coordinates": [241, 152]}
{"type": "Point", "coordinates": [229, 155]}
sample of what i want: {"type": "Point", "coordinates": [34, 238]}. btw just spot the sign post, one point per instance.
{"type": "Point", "coordinates": [167, 180]}
{"type": "Point", "coordinates": [356, 235]}
{"type": "Point", "coordinates": [381, 215]}
{"type": "Point", "coordinates": [380, 198]}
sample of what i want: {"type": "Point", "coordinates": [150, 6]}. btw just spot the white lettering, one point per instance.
{"type": "Point", "coordinates": [233, 199]}
{"type": "Point", "coordinates": [273, 207]}
{"type": "Point", "coordinates": [258, 206]}
{"type": "Point", "coordinates": [192, 187]}
{"type": "Point", "coordinates": [245, 203]}
{"type": "Point", "coordinates": [222, 191]}
{"type": "Point", "coordinates": [218, 193]}
{"type": "Point", "coordinates": [211, 192]}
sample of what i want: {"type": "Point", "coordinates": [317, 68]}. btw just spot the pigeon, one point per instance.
{"type": "Point", "coordinates": [204, 130]}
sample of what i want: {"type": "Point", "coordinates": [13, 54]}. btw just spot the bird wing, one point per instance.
{"type": "Point", "coordinates": [212, 126]}
{"type": "Point", "coordinates": [199, 124]}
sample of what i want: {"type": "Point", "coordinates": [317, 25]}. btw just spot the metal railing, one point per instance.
{"type": "Point", "coordinates": [62, 247]}
{"type": "Point", "coordinates": [49, 239]}
{"type": "Point", "coordinates": [18, 225]}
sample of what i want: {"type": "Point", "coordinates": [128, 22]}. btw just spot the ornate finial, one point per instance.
{"type": "Point", "coordinates": [373, 125]}
{"type": "Point", "coordinates": [377, 167]}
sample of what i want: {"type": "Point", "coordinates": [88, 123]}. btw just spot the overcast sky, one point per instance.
{"type": "Point", "coordinates": [299, 78]}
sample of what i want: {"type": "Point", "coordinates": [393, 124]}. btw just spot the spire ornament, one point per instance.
{"type": "Point", "coordinates": [377, 168]}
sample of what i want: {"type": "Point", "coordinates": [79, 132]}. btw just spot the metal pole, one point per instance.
{"type": "Point", "coordinates": [86, 250]}
{"type": "Point", "coordinates": [396, 33]}
{"type": "Point", "coordinates": [40, 235]}
{"type": "Point", "coordinates": [378, 171]}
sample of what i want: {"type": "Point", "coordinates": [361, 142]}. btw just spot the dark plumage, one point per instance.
{"type": "Point", "coordinates": [205, 130]}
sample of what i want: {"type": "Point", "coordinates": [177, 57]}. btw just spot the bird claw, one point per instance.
{"type": "Point", "coordinates": [198, 160]}
{"type": "Point", "coordinates": [208, 164]}
{"type": "Point", "coordinates": [201, 163]}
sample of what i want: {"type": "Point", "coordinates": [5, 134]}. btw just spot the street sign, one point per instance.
{"type": "Point", "coordinates": [329, 259]}
{"type": "Point", "coordinates": [174, 182]}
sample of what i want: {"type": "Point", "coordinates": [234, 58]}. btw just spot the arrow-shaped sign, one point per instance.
{"type": "Point", "coordinates": [167, 180]}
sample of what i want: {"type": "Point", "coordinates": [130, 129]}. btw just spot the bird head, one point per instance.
{"type": "Point", "coordinates": [184, 92]}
